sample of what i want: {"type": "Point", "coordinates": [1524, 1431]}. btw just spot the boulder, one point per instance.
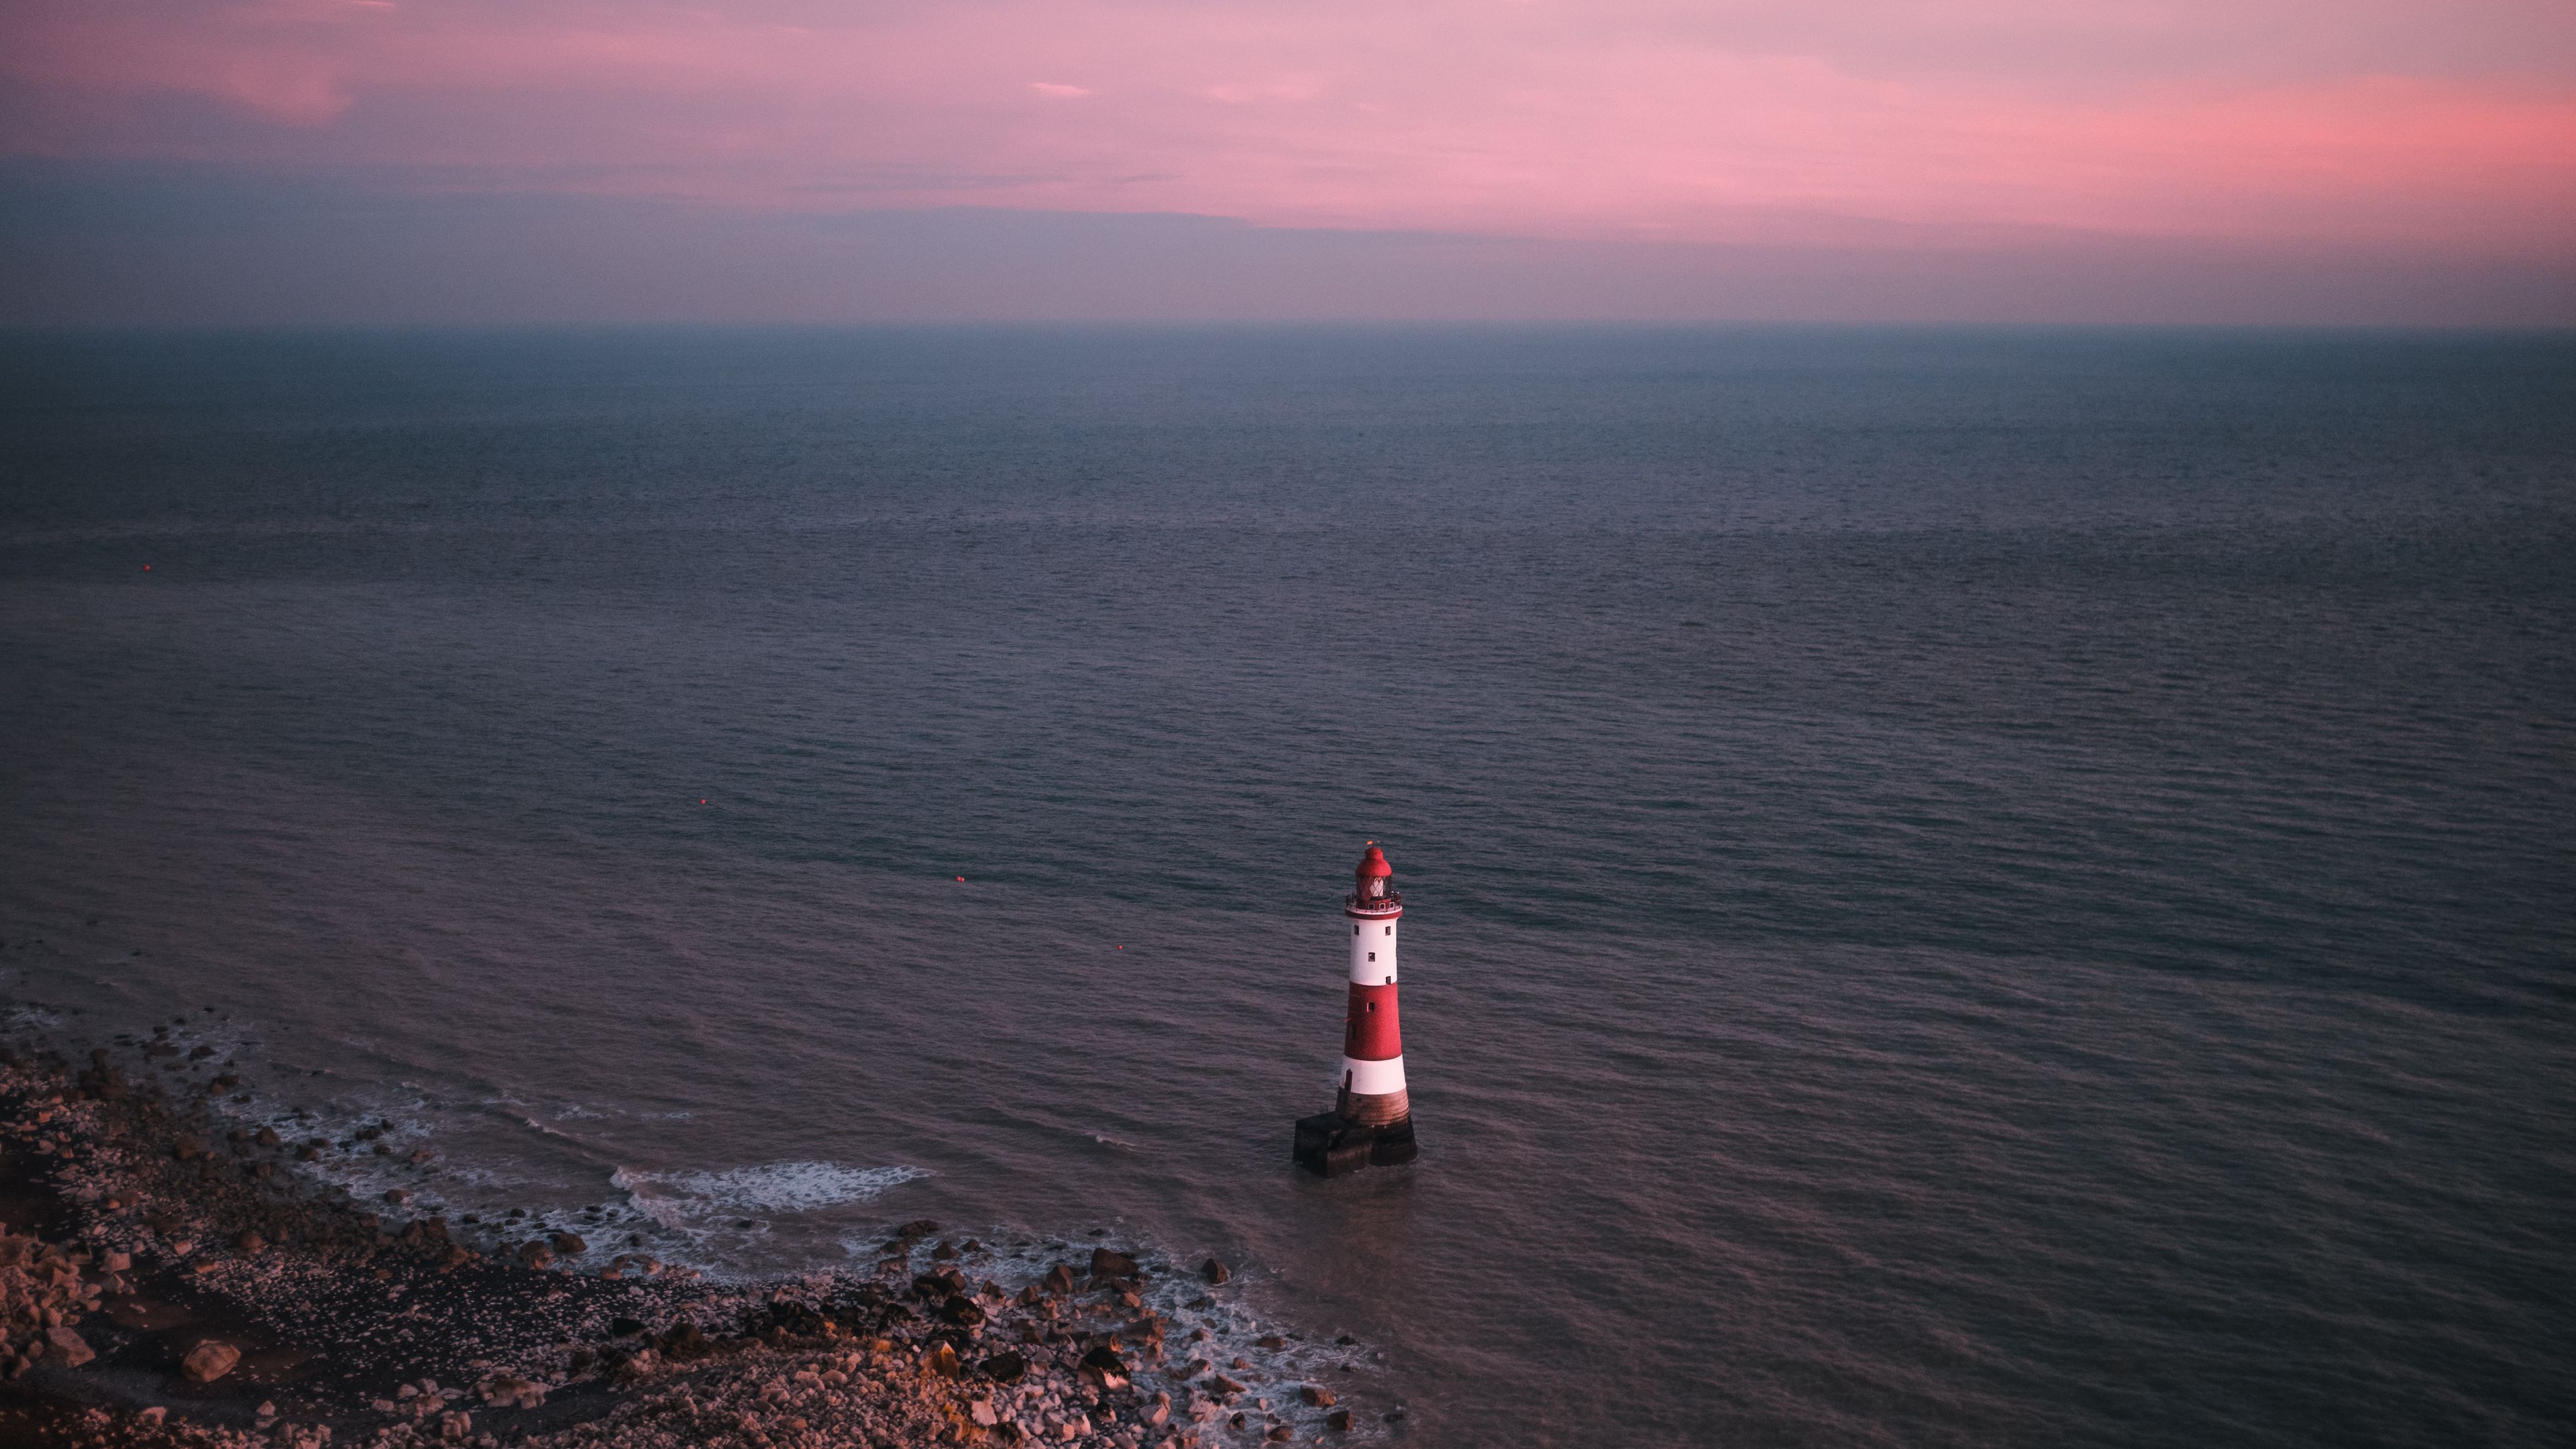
{"type": "Point", "coordinates": [512, 1392]}
{"type": "Point", "coordinates": [1104, 1364]}
{"type": "Point", "coordinates": [568, 1244]}
{"type": "Point", "coordinates": [209, 1361]}
{"type": "Point", "coordinates": [63, 1344]}
{"type": "Point", "coordinates": [1214, 1271]}
{"type": "Point", "coordinates": [248, 1241]}
{"type": "Point", "coordinates": [962, 1312]}
{"type": "Point", "coordinates": [1004, 1368]}
{"type": "Point", "coordinates": [536, 1254]}
{"type": "Point", "coordinates": [1106, 1264]}
{"type": "Point", "coordinates": [1316, 1396]}
{"type": "Point", "coordinates": [1059, 1279]}
{"type": "Point", "coordinates": [1339, 1421]}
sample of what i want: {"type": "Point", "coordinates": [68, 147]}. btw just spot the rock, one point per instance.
{"type": "Point", "coordinates": [962, 1312]}
{"type": "Point", "coordinates": [1004, 1368]}
{"type": "Point", "coordinates": [941, 1360]}
{"type": "Point", "coordinates": [397, 1196]}
{"type": "Point", "coordinates": [568, 1244]}
{"type": "Point", "coordinates": [151, 1418]}
{"type": "Point", "coordinates": [1157, 1412]}
{"type": "Point", "coordinates": [1223, 1387]}
{"type": "Point", "coordinates": [1339, 1421]}
{"type": "Point", "coordinates": [455, 1424]}
{"type": "Point", "coordinates": [536, 1254]}
{"type": "Point", "coordinates": [1214, 1271]}
{"type": "Point", "coordinates": [420, 1155]}
{"type": "Point", "coordinates": [308, 1153]}
{"type": "Point", "coordinates": [1106, 1264]}
{"type": "Point", "coordinates": [511, 1391]}
{"type": "Point", "coordinates": [916, 1230]}
{"type": "Point", "coordinates": [981, 1411]}
{"type": "Point", "coordinates": [1270, 1340]}
{"type": "Point", "coordinates": [1316, 1396]}
{"type": "Point", "coordinates": [184, 1148]}
{"type": "Point", "coordinates": [943, 1253]}
{"type": "Point", "coordinates": [1280, 1434]}
{"type": "Point", "coordinates": [1059, 1280]}
{"type": "Point", "coordinates": [68, 1346]}
{"type": "Point", "coordinates": [268, 1137]}
{"type": "Point", "coordinates": [248, 1241]}
{"type": "Point", "coordinates": [209, 1361]}
{"type": "Point", "coordinates": [625, 1327]}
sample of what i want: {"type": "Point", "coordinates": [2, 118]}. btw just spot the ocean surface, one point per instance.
{"type": "Point", "coordinates": [1963, 888]}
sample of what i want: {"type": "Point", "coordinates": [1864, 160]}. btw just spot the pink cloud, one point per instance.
{"type": "Point", "coordinates": [2376, 120]}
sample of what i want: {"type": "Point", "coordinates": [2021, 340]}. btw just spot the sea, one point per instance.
{"type": "Point", "coordinates": [1963, 887]}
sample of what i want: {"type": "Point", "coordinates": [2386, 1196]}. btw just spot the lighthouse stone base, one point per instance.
{"type": "Point", "coordinates": [1331, 1145]}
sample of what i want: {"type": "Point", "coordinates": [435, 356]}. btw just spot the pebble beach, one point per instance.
{"type": "Point", "coordinates": [171, 1276]}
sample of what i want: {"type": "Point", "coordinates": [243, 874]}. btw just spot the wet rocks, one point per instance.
{"type": "Point", "coordinates": [1315, 1396]}
{"type": "Point", "coordinates": [209, 1361]}
{"type": "Point", "coordinates": [67, 1347]}
{"type": "Point", "coordinates": [1214, 1272]}
{"type": "Point", "coordinates": [569, 1245]}
{"type": "Point", "coordinates": [511, 1391]}
{"type": "Point", "coordinates": [1106, 1265]}
{"type": "Point", "coordinates": [536, 1254]}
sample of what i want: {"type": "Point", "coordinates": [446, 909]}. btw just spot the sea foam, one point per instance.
{"type": "Point", "coordinates": [674, 1198]}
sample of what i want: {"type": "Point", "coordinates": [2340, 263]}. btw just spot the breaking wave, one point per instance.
{"type": "Point", "coordinates": [673, 1198]}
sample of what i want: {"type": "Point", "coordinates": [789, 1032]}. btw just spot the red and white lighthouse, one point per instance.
{"type": "Point", "coordinates": [1372, 1118]}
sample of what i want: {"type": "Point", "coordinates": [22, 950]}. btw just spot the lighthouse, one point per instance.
{"type": "Point", "coordinates": [1371, 1124]}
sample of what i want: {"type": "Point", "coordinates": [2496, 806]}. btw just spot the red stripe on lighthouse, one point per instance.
{"type": "Point", "coordinates": [1370, 1034]}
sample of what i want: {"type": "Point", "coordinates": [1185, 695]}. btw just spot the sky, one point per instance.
{"type": "Point", "coordinates": [2188, 161]}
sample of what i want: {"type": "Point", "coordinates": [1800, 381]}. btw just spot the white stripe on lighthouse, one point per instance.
{"type": "Point", "coordinates": [1373, 952]}
{"type": "Point", "coordinates": [1373, 1079]}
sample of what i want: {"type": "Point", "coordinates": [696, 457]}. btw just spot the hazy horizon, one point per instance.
{"type": "Point", "coordinates": [336, 162]}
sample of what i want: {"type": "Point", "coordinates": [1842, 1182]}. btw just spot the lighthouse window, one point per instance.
{"type": "Point", "coordinates": [1355, 930]}
{"type": "Point", "coordinates": [1372, 1006]}
{"type": "Point", "coordinates": [1372, 955]}
{"type": "Point", "coordinates": [1390, 930]}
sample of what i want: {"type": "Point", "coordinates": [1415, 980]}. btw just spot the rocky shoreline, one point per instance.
{"type": "Point", "coordinates": [168, 1277]}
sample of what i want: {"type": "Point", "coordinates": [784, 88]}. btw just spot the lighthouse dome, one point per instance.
{"type": "Point", "coordinates": [1374, 863]}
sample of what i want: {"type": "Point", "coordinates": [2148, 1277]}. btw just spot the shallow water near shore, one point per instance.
{"type": "Point", "coordinates": [1962, 888]}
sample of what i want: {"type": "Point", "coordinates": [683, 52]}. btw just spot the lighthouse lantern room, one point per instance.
{"type": "Point", "coordinates": [1371, 1123]}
